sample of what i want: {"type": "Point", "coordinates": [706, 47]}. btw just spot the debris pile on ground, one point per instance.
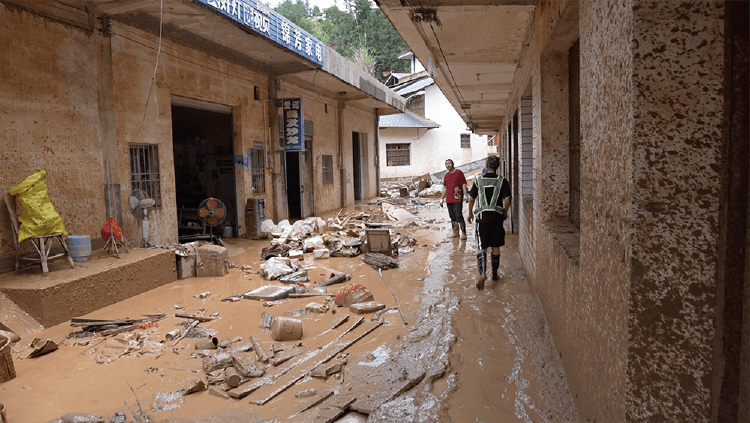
{"type": "Point", "coordinates": [345, 235]}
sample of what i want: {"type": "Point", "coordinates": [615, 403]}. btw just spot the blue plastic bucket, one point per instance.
{"type": "Point", "coordinates": [80, 247]}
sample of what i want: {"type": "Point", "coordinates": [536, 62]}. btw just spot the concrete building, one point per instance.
{"type": "Point", "coordinates": [429, 132]}
{"type": "Point", "coordinates": [624, 132]}
{"type": "Point", "coordinates": [184, 100]}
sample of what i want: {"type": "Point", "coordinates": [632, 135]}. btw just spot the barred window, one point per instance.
{"type": "Point", "coordinates": [327, 169]}
{"type": "Point", "coordinates": [465, 140]}
{"type": "Point", "coordinates": [258, 170]}
{"type": "Point", "coordinates": [397, 154]}
{"type": "Point", "coordinates": [144, 170]}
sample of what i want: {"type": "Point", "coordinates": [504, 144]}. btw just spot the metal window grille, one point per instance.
{"type": "Point", "coordinates": [327, 169]}
{"type": "Point", "coordinates": [258, 170]}
{"type": "Point", "coordinates": [397, 154]}
{"type": "Point", "coordinates": [144, 170]}
{"type": "Point", "coordinates": [574, 144]}
{"type": "Point", "coordinates": [465, 140]}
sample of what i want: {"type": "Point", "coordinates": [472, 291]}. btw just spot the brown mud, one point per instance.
{"type": "Point", "coordinates": [465, 355]}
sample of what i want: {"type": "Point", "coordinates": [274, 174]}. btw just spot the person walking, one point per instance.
{"type": "Point", "coordinates": [454, 189]}
{"type": "Point", "coordinates": [490, 189]}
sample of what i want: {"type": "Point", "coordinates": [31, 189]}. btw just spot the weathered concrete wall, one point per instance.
{"type": "Point", "coordinates": [178, 73]}
{"type": "Point", "coordinates": [49, 119]}
{"type": "Point", "coordinates": [633, 315]}
{"type": "Point", "coordinates": [678, 79]}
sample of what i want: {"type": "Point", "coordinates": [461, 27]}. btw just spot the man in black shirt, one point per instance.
{"type": "Point", "coordinates": [489, 189]}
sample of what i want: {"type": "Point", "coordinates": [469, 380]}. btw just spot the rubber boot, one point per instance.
{"type": "Point", "coordinates": [462, 225]}
{"type": "Point", "coordinates": [455, 230]}
{"type": "Point", "coordinates": [482, 265]}
{"type": "Point", "coordinates": [495, 265]}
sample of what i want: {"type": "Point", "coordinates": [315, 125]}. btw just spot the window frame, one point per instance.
{"type": "Point", "coordinates": [144, 170]}
{"type": "Point", "coordinates": [393, 149]}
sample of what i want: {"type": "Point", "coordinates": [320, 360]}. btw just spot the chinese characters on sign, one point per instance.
{"type": "Point", "coordinates": [258, 17]}
{"type": "Point", "coordinates": [294, 125]}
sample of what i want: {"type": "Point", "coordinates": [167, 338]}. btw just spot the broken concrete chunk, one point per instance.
{"type": "Point", "coordinates": [218, 392]}
{"type": "Point", "coordinates": [321, 253]}
{"type": "Point", "coordinates": [165, 401]}
{"type": "Point", "coordinates": [327, 369]}
{"type": "Point", "coordinates": [248, 367]}
{"type": "Point", "coordinates": [196, 384]}
{"type": "Point", "coordinates": [366, 307]}
{"type": "Point", "coordinates": [306, 393]}
{"type": "Point", "coordinates": [217, 362]}
{"type": "Point", "coordinates": [81, 418]}
{"type": "Point", "coordinates": [317, 307]}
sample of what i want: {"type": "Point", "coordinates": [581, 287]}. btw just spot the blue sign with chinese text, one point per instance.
{"type": "Point", "coordinates": [258, 17]}
{"type": "Point", "coordinates": [294, 124]}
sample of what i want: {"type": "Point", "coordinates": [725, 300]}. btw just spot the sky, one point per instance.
{"type": "Point", "coordinates": [322, 4]}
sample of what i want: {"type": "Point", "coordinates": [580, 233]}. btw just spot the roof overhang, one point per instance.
{"type": "Point", "coordinates": [471, 48]}
{"type": "Point", "coordinates": [231, 35]}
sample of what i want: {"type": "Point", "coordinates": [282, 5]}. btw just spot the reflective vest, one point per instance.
{"type": "Point", "coordinates": [483, 204]}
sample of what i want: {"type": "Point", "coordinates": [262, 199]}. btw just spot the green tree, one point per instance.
{"type": "Point", "coordinates": [360, 32]}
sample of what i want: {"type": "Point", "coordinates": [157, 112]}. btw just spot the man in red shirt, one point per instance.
{"type": "Point", "coordinates": [454, 189]}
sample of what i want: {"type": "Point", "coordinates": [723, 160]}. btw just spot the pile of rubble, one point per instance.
{"type": "Point", "coordinates": [345, 235]}
{"type": "Point", "coordinates": [421, 186]}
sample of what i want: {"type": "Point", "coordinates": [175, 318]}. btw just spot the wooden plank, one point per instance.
{"type": "Point", "coordinates": [336, 349]}
{"type": "Point", "coordinates": [247, 388]}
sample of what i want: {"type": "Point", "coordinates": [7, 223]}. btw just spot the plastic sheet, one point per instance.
{"type": "Point", "coordinates": [35, 211]}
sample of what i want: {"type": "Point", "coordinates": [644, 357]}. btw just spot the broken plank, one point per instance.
{"type": "Point", "coordinates": [332, 409]}
{"type": "Point", "coordinates": [247, 388]}
{"type": "Point", "coordinates": [194, 317]}
{"type": "Point", "coordinates": [316, 402]}
{"type": "Point", "coordinates": [334, 351]}
{"type": "Point", "coordinates": [121, 329]}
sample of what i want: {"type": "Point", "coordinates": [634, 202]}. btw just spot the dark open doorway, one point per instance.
{"type": "Point", "coordinates": [293, 185]}
{"type": "Point", "coordinates": [357, 166]}
{"type": "Point", "coordinates": [204, 167]}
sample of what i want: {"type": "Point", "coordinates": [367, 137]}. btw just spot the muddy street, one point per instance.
{"type": "Point", "coordinates": [465, 355]}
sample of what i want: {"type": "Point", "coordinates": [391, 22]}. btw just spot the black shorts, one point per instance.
{"type": "Point", "coordinates": [489, 230]}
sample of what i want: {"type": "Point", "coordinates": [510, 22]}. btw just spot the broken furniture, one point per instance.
{"type": "Point", "coordinates": [42, 244]}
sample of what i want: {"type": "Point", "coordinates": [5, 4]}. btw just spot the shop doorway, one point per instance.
{"type": "Point", "coordinates": [204, 165]}
{"type": "Point", "coordinates": [294, 187]}
{"type": "Point", "coordinates": [357, 166]}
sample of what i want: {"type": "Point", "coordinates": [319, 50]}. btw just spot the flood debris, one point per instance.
{"type": "Point", "coordinates": [380, 261]}
{"type": "Point", "coordinates": [306, 393]}
{"type": "Point", "coordinates": [286, 329]}
{"type": "Point", "coordinates": [41, 347]}
{"type": "Point", "coordinates": [111, 327]}
{"type": "Point", "coordinates": [269, 293]}
{"type": "Point", "coordinates": [351, 294]}
{"type": "Point", "coordinates": [394, 296]}
{"type": "Point", "coordinates": [165, 401]}
{"type": "Point", "coordinates": [340, 278]}
{"type": "Point", "coordinates": [366, 307]}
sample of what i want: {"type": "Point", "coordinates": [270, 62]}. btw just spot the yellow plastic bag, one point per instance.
{"type": "Point", "coordinates": [35, 212]}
